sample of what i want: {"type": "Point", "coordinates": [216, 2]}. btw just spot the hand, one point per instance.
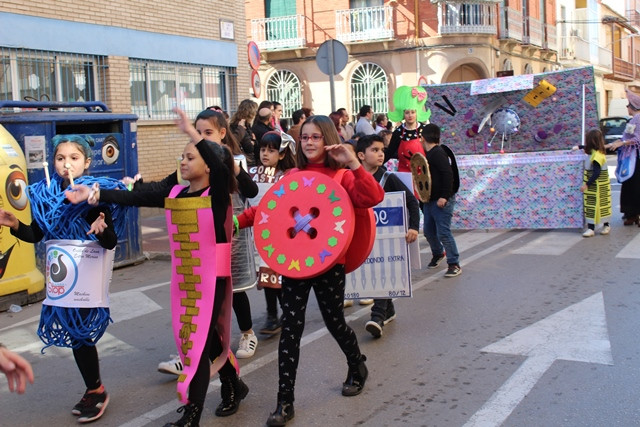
{"type": "Point", "coordinates": [583, 188]}
{"type": "Point", "coordinates": [8, 219]}
{"type": "Point", "coordinates": [411, 236]}
{"type": "Point", "coordinates": [342, 154]}
{"type": "Point", "coordinates": [17, 370]}
{"type": "Point", "coordinates": [98, 226]}
{"type": "Point", "coordinates": [78, 194]}
{"type": "Point", "coordinates": [185, 125]}
{"type": "Point", "coordinates": [441, 202]}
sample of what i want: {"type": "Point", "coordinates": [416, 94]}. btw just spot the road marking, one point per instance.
{"type": "Point", "coordinates": [631, 250]}
{"type": "Point", "coordinates": [577, 333]}
{"type": "Point", "coordinates": [550, 243]}
{"type": "Point", "coordinates": [468, 240]}
{"type": "Point", "coordinates": [258, 363]}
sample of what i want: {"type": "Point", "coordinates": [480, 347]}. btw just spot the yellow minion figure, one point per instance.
{"type": "Point", "coordinates": [20, 281]}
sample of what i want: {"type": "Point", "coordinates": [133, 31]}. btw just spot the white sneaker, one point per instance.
{"type": "Point", "coordinates": [172, 367]}
{"type": "Point", "coordinates": [348, 303]}
{"type": "Point", "coordinates": [365, 301]}
{"type": "Point", "coordinates": [247, 346]}
{"type": "Point", "coordinates": [605, 230]}
{"type": "Point", "coordinates": [589, 233]}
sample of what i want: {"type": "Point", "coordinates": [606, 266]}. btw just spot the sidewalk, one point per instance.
{"type": "Point", "coordinates": [155, 241]}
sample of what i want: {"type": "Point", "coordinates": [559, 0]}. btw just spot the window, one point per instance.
{"type": "Point", "coordinates": [158, 87]}
{"type": "Point", "coordinates": [354, 4]}
{"type": "Point", "coordinates": [369, 86]}
{"type": "Point", "coordinates": [281, 29]}
{"type": "Point", "coordinates": [507, 65]}
{"type": "Point", "coordinates": [51, 76]}
{"type": "Point", "coordinates": [284, 86]}
{"type": "Point", "coordinates": [528, 69]}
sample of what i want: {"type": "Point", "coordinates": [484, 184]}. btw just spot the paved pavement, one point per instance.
{"type": "Point", "coordinates": [155, 242]}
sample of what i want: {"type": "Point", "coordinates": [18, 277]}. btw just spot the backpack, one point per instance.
{"type": "Point", "coordinates": [454, 168]}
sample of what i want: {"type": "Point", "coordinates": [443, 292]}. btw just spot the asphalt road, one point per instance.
{"type": "Point", "coordinates": [539, 330]}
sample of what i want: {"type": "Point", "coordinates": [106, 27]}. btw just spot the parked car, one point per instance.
{"type": "Point", "coordinates": [612, 128]}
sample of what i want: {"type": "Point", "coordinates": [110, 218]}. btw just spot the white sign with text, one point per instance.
{"type": "Point", "coordinates": [386, 273]}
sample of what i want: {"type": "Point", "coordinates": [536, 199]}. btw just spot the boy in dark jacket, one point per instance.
{"type": "Point", "coordinates": [370, 152]}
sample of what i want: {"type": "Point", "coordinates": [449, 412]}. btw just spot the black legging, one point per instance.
{"type": "Point", "coordinates": [212, 349]}
{"type": "Point", "coordinates": [86, 357]}
{"type": "Point", "coordinates": [329, 291]}
{"type": "Point", "coordinates": [242, 309]}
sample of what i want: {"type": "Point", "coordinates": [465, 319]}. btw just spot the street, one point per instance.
{"type": "Point", "coordinates": [540, 329]}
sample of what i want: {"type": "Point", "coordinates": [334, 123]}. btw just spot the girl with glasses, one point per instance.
{"type": "Point", "coordinates": [320, 150]}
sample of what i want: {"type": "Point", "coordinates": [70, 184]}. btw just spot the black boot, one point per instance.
{"type": "Point", "coordinates": [233, 390]}
{"type": "Point", "coordinates": [190, 418]}
{"type": "Point", "coordinates": [284, 412]}
{"type": "Point", "coordinates": [356, 378]}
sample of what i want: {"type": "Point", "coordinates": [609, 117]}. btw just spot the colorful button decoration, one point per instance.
{"type": "Point", "coordinates": [304, 224]}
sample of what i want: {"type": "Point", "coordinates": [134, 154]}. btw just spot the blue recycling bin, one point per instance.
{"type": "Point", "coordinates": [115, 153]}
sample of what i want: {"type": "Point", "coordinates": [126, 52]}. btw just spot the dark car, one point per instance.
{"type": "Point", "coordinates": [612, 128]}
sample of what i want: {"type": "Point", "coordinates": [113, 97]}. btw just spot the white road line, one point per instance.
{"type": "Point", "coordinates": [631, 250]}
{"type": "Point", "coordinates": [258, 363]}
{"type": "Point", "coordinates": [468, 240]}
{"type": "Point", "coordinates": [550, 243]}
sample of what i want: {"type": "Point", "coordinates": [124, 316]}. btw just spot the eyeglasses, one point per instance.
{"type": "Point", "coordinates": [316, 137]}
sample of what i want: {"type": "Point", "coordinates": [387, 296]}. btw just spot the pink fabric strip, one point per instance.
{"type": "Point", "coordinates": [192, 293]}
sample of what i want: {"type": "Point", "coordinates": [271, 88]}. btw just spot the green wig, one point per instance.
{"type": "Point", "coordinates": [409, 98]}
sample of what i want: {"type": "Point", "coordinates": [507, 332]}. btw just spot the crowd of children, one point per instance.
{"type": "Point", "coordinates": [325, 145]}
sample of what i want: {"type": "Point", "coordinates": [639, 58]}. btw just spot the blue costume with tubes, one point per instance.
{"type": "Point", "coordinates": [54, 218]}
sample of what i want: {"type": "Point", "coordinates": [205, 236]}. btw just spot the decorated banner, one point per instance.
{"type": "Point", "coordinates": [78, 274]}
{"type": "Point", "coordinates": [387, 271]}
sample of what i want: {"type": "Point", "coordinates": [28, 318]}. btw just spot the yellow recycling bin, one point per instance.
{"type": "Point", "coordinates": [20, 281]}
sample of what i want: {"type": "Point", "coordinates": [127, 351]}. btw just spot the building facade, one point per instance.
{"type": "Point", "coordinates": [394, 43]}
{"type": "Point", "coordinates": [142, 57]}
{"type": "Point", "coordinates": [408, 42]}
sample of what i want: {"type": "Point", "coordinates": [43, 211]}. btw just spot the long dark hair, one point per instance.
{"type": "Point", "coordinates": [219, 121]}
{"type": "Point", "coordinates": [594, 140]}
{"type": "Point", "coordinates": [273, 139]}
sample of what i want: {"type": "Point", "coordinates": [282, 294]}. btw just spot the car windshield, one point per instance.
{"type": "Point", "coordinates": [613, 126]}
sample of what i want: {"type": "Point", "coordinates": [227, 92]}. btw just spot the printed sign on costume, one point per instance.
{"type": "Point", "coordinates": [387, 271]}
{"type": "Point", "coordinates": [78, 274]}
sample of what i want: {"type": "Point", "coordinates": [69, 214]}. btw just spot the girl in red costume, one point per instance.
{"type": "Point", "coordinates": [319, 150]}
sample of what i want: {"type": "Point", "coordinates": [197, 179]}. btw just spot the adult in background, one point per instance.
{"type": "Point", "coordinates": [240, 125]}
{"type": "Point", "coordinates": [381, 122]}
{"type": "Point", "coordinates": [346, 126]}
{"type": "Point", "coordinates": [277, 114]}
{"type": "Point", "coordinates": [630, 191]}
{"type": "Point", "coordinates": [364, 120]}
{"type": "Point", "coordinates": [261, 126]}
{"type": "Point", "coordinates": [298, 117]}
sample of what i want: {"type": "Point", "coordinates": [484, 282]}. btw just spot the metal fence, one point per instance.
{"type": "Point", "coordinates": [27, 74]}
{"type": "Point", "coordinates": [157, 87]}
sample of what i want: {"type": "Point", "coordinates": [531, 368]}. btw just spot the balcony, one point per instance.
{"type": "Point", "coordinates": [283, 32]}
{"type": "Point", "coordinates": [364, 24]}
{"type": "Point", "coordinates": [532, 33]}
{"type": "Point", "coordinates": [622, 70]}
{"type": "Point", "coordinates": [575, 48]}
{"type": "Point", "coordinates": [510, 24]}
{"type": "Point", "coordinates": [550, 42]}
{"type": "Point", "coordinates": [467, 18]}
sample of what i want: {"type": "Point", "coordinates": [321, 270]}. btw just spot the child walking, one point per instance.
{"type": "Point", "coordinates": [207, 167]}
{"type": "Point", "coordinates": [596, 186]}
{"type": "Point", "coordinates": [67, 323]}
{"type": "Point", "coordinates": [370, 151]}
{"type": "Point", "coordinates": [320, 150]}
{"type": "Point", "coordinates": [277, 151]}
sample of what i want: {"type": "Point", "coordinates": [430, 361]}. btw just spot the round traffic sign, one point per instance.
{"type": "Point", "coordinates": [255, 83]}
{"type": "Point", "coordinates": [332, 52]}
{"type": "Point", "coordinates": [253, 52]}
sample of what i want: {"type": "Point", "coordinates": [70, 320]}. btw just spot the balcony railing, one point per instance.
{"type": "Point", "coordinates": [364, 24]}
{"type": "Point", "coordinates": [532, 33]}
{"type": "Point", "coordinates": [510, 24]}
{"type": "Point", "coordinates": [576, 48]}
{"type": "Point", "coordinates": [549, 42]}
{"type": "Point", "coordinates": [283, 32]}
{"type": "Point", "coordinates": [467, 18]}
{"type": "Point", "coordinates": [622, 68]}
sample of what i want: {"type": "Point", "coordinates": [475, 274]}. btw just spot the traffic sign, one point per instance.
{"type": "Point", "coordinates": [332, 57]}
{"type": "Point", "coordinates": [253, 51]}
